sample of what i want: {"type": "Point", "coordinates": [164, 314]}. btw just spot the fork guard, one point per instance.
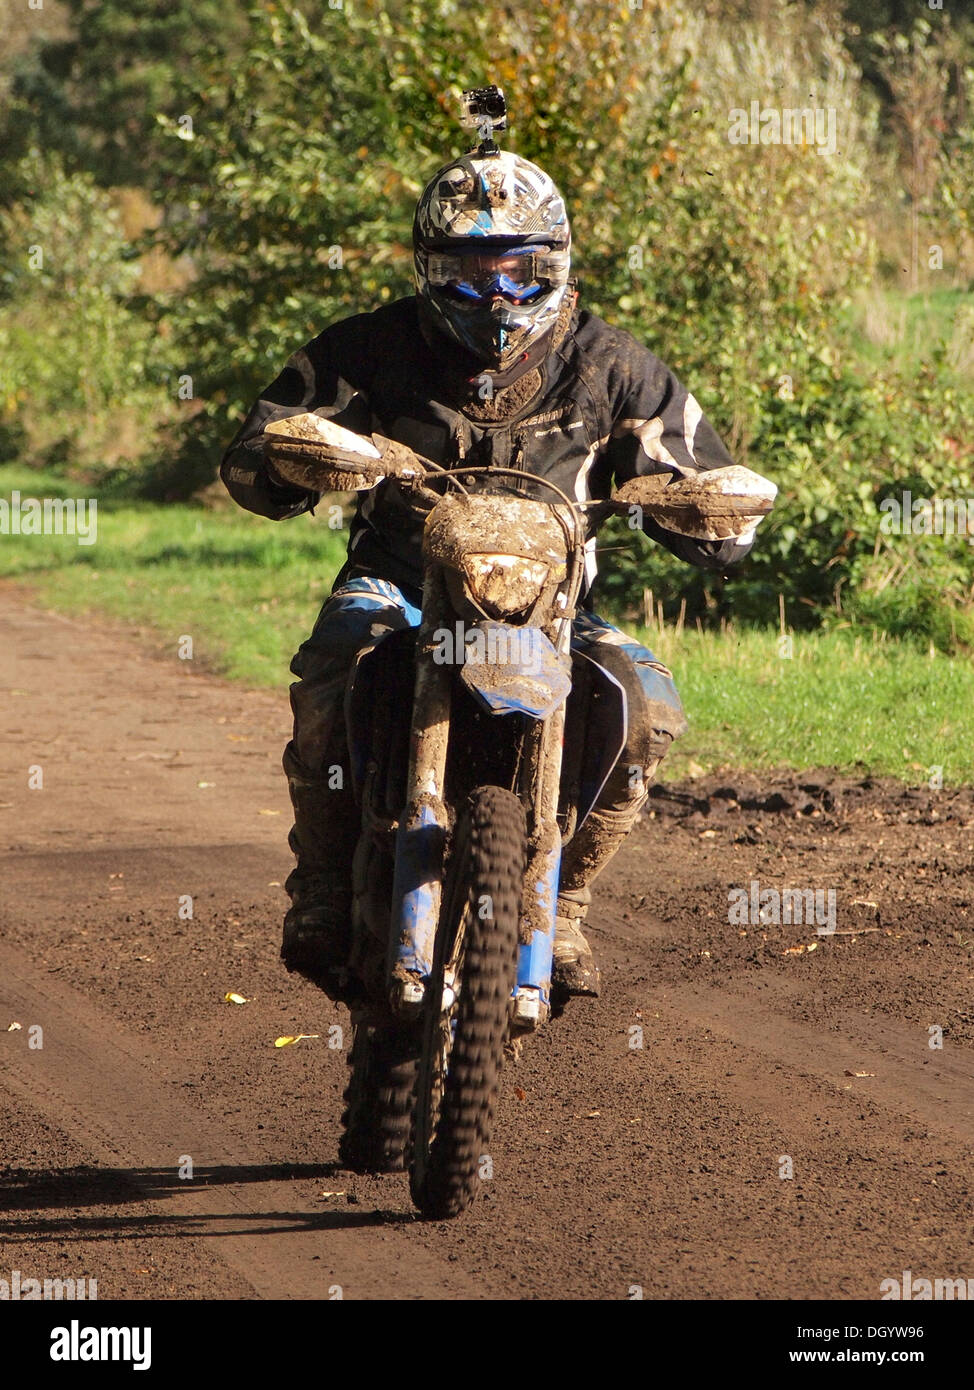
{"type": "Point", "coordinates": [512, 670]}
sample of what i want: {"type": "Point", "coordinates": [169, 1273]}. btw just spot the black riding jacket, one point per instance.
{"type": "Point", "coordinates": [604, 410]}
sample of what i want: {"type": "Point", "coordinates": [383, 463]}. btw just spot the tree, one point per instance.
{"type": "Point", "coordinates": [89, 85]}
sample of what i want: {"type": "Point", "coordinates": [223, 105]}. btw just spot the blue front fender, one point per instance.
{"type": "Point", "coordinates": [514, 670]}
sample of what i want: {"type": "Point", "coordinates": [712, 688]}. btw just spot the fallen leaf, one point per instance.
{"type": "Point", "coordinates": [521, 1095]}
{"type": "Point", "coordinates": [287, 1039]}
{"type": "Point", "coordinates": [231, 998]}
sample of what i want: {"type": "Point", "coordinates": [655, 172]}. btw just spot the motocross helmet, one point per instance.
{"type": "Point", "coordinates": [492, 254]}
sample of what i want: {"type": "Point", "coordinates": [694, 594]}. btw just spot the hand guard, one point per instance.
{"type": "Point", "coordinates": [717, 504]}
{"type": "Point", "coordinates": [318, 455]}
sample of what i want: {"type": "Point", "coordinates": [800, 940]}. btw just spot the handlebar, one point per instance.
{"type": "Point", "coordinates": [320, 455]}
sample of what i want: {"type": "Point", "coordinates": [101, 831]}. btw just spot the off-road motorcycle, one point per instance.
{"type": "Point", "coordinates": [478, 743]}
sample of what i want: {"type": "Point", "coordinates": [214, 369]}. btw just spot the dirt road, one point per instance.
{"type": "Point", "coordinates": [784, 1130]}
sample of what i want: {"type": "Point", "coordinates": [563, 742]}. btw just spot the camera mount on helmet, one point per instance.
{"type": "Point", "coordinates": [484, 109]}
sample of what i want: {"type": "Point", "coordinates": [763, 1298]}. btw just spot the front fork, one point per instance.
{"type": "Point", "coordinates": [423, 826]}
{"type": "Point", "coordinates": [422, 834]}
{"type": "Point", "coordinates": [542, 775]}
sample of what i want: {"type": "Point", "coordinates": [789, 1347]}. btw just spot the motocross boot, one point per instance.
{"type": "Point", "coordinates": [574, 970]}
{"type": "Point", "coordinates": [317, 926]}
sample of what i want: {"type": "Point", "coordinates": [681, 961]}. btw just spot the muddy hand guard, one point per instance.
{"type": "Point", "coordinates": [714, 505]}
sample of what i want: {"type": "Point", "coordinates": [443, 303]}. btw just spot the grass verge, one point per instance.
{"type": "Point", "coordinates": [842, 699]}
{"type": "Point", "coordinates": [247, 590]}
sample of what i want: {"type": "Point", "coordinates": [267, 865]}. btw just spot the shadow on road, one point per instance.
{"type": "Point", "coordinates": [36, 1192]}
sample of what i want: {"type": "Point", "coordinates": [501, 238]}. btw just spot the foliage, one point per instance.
{"type": "Point", "coordinates": [90, 89]}
{"type": "Point", "coordinates": [285, 145]}
{"type": "Point", "coordinates": [837, 445]}
{"type": "Point", "coordinates": [77, 387]}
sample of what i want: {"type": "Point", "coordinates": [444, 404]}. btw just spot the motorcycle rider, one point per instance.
{"type": "Point", "coordinates": [492, 362]}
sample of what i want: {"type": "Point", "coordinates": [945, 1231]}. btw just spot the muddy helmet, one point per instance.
{"type": "Point", "coordinates": [492, 254]}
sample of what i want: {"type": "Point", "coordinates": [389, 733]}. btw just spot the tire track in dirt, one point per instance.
{"type": "Point", "coordinates": [902, 1074]}
{"type": "Point", "coordinates": [99, 1084]}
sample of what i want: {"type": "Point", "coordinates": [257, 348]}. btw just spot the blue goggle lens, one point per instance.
{"type": "Point", "coordinates": [517, 275]}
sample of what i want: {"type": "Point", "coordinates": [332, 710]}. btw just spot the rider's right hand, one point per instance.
{"type": "Point", "coordinates": [272, 450]}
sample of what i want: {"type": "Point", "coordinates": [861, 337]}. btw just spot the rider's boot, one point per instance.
{"type": "Point", "coordinates": [620, 804]}
{"type": "Point", "coordinates": [575, 970]}
{"type": "Point", "coordinates": [317, 927]}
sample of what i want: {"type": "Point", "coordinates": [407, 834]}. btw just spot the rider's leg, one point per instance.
{"type": "Point", "coordinates": [655, 718]}
{"type": "Point", "coordinates": [326, 819]}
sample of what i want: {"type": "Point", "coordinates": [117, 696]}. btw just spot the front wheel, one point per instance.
{"type": "Point", "coordinates": [468, 1003]}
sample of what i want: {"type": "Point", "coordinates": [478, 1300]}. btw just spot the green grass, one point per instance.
{"type": "Point", "coordinates": [842, 700]}
{"type": "Point", "coordinates": [248, 590]}
{"type": "Point", "coordinates": [897, 330]}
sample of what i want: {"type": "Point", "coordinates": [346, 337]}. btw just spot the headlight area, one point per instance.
{"type": "Point", "coordinates": [504, 584]}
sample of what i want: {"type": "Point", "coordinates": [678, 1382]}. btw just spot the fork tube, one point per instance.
{"type": "Point", "coordinates": [421, 834]}
{"type": "Point", "coordinates": [544, 863]}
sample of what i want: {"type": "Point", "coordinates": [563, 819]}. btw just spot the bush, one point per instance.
{"type": "Point", "coordinates": [78, 390]}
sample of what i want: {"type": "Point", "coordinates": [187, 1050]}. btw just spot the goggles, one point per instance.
{"type": "Point", "coordinates": [518, 275]}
